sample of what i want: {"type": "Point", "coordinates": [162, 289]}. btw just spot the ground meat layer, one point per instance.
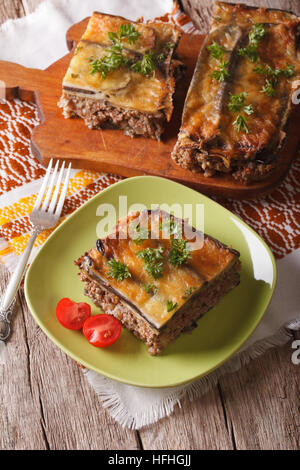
{"type": "Point", "coordinates": [190, 158]}
{"type": "Point", "coordinates": [183, 320]}
{"type": "Point", "coordinates": [100, 114]}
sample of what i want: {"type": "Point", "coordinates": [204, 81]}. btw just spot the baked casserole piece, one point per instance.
{"type": "Point", "coordinates": [240, 98]}
{"type": "Point", "coordinates": [122, 75]}
{"type": "Point", "coordinates": [160, 278]}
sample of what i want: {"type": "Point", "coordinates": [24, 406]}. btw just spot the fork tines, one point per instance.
{"type": "Point", "coordinates": [55, 180]}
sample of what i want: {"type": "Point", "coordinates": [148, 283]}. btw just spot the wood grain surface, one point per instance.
{"type": "Point", "coordinates": [46, 403]}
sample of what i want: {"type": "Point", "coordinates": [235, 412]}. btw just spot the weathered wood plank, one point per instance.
{"type": "Point", "coordinates": [72, 415]}
{"type": "Point", "coordinates": [45, 402]}
{"type": "Point", "coordinates": [262, 402]}
{"type": "Point", "coordinates": [20, 414]}
{"type": "Point", "coordinates": [201, 11]}
{"type": "Point", "coordinates": [10, 9]}
{"type": "Point", "coordinates": [30, 5]}
{"type": "Point", "coordinates": [260, 410]}
{"type": "Point", "coordinates": [197, 425]}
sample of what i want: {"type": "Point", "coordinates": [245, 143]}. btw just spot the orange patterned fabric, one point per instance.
{"type": "Point", "coordinates": [276, 217]}
{"type": "Point", "coordinates": [17, 119]}
{"type": "Point", "coordinates": [18, 167]}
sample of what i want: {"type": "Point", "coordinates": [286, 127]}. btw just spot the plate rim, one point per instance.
{"type": "Point", "coordinates": [112, 376]}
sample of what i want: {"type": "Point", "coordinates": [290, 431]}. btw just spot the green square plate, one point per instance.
{"type": "Point", "coordinates": [52, 275]}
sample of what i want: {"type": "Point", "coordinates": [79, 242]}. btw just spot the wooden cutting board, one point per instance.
{"type": "Point", "coordinates": [111, 150]}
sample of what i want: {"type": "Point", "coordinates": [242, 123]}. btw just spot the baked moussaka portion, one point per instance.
{"type": "Point", "coordinates": [122, 75]}
{"type": "Point", "coordinates": [239, 100]}
{"type": "Point", "coordinates": [157, 275]}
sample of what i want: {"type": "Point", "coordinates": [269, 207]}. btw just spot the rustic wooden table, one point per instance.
{"type": "Point", "coordinates": [46, 403]}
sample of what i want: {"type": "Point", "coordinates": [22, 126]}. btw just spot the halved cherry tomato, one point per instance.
{"type": "Point", "coordinates": [72, 315]}
{"type": "Point", "coordinates": [102, 330]}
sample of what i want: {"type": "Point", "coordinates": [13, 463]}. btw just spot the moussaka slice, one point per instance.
{"type": "Point", "coordinates": [122, 75]}
{"type": "Point", "coordinates": [237, 107]}
{"type": "Point", "coordinates": [158, 275]}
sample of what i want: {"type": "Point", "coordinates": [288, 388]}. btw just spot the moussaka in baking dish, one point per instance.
{"type": "Point", "coordinates": [158, 275]}
{"type": "Point", "coordinates": [237, 107]}
{"type": "Point", "coordinates": [122, 75]}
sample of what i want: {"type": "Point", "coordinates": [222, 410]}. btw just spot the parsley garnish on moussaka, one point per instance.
{"type": "Point", "coordinates": [162, 285]}
{"type": "Point", "coordinates": [122, 75]}
{"type": "Point", "coordinates": [237, 107]}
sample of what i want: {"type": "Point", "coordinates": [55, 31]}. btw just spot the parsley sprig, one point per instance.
{"type": "Point", "coordinates": [272, 76]}
{"type": "Point", "coordinates": [171, 227]}
{"type": "Point", "coordinates": [118, 270]}
{"type": "Point", "coordinates": [146, 65]}
{"type": "Point", "coordinates": [110, 62]}
{"type": "Point", "coordinates": [236, 102]}
{"type": "Point", "coordinates": [139, 234]}
{"type": "Point", "coordinates": [153, 259]}
{"type": "Point", "coordinates": [287, 72]}
{"type": "Point", "coordinates": [256, 35]}
{"type": "Point", "coordinates": [180, 252]}
{"type": "Point", "coordinates": [250, 51]}
{"type": "Point", "coordinates": [216, 51]}
{"type": "Point", "coordinates": [221, 73]}
{"type": "Point", "coordinates": [150, 289]}
{"type": "Point", "coordinates": [115, 58]}
{"type": "Point", "coordinates": [126, 31]}
{"type": "Point", "coordinates": [249, 109]}
{"type": "Point", "coordinates": [237, 105]}
{"type": "Point", "coordinates": [171, 305]}
{"type": "Point", "coordinates": [240, 124]}
{"type": "Point", "coordinates": [150, 61]}
{"type": "Point", "coordinates": [188, 292]}
{"type": "Point", "coordinates": [268, 88]}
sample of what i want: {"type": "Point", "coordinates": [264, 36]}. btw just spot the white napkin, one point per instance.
{"type": "Point", "coordinates": [132, 406]}
{"type": "Point", "coordinates": [39, 39]}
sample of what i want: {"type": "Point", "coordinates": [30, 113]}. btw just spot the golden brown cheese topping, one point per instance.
{"type": "Point", "coordinates": [202, 112]}
{"type": "Point", "coordinates": [147, 88]}
{"type": "Point", "coordinates": [101, 25]}
{"type": "Point", "coordinates": [159, 298]}
{"type": "Point", "coordinates": [262, 70]}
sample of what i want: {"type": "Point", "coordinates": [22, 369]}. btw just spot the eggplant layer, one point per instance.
{"type": "Point", "coordinates": [209, 140]}
{"type": "Point", "coordinates": [184, 321]}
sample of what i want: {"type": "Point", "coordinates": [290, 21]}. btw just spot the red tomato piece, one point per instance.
{"type": "Point", "coordinates": [102, 330]}
{"type": "Point", "coordinates": [72, 315]}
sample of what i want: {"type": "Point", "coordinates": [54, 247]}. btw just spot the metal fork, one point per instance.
{"type": "Point", "coordinates": [44, 215]}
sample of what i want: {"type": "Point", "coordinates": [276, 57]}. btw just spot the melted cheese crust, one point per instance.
{"type": "Point", "coordinates": [124, 87]}
{"type": "Point", "coordinates": [206, 264]}
{"type": "Point", "coordinates": [207, 124]}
